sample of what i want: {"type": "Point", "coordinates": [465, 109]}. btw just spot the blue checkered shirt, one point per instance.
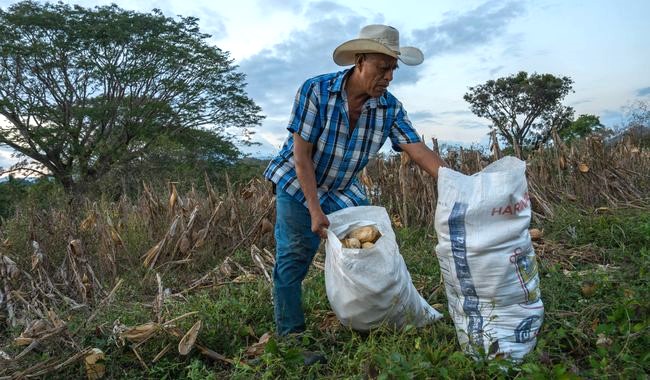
{"type": "Point", "coordinates": [320, 117]}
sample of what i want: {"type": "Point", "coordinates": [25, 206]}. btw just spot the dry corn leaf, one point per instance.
{"type": "Point", "coordinates": [246, 193]}
{"type": "Point", "coordinates": [249, 277]}
{"type": "Point", "coordinates": [365, 179]}
{"type": "Point", "coordinates": [37, 256]}
{"type": "Point", "coordinates": [397, 222]}
{"type": "Point", "coordinates": [405, 159]}
{"type": "Point", "coordinates": [89, 222]}
{"type": "Point", "coordinates": [140, 333]}
{"type": "Point", "coordinates": [10, 267]}
{"type": "Point", "coordinates": [152, 253]}
{"type": "Point", "coordinates": [54, 319]}
{"type": "Point", "coordinates": [330, 322]}
{"type": "Point", "coordinates": [199, 239]}
{"type": "Point", "coordinates": [257, 349]}
{"type": "Point", "coordinates": [188, 340]}
{"type": "Point", "coordinates": [35, 328]}
{"type": "Point", "coordinates": [76, 247]}
{"type": "Point", "coordinates": [23, 341]}
{"type": "Point", "coordinates": [173, 197]}
{"type": "Point", "coordinates": [267, 226]}
{"type": "Point", "coordinates": [115, 236]}
{"type": "Point", "coordinates": [185, 244]}
{"type": "Point", "coordinates": [95, 368]}
{"type": "Point", "coordinates": [535, 234]}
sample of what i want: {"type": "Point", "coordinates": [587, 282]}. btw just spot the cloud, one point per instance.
{"type": "Point", "coordinates": [263, 149]}
{"type": "Point", "coordinates": [423, 116]}
{"type": "Point", "coordinates": [643, 91]}
{"type": "Point", "coordinates": [210, 22]}
{"type": "Point", "coordinates": [612, 119]}
{"type": "Point", "coordinates": [459, 32]}
{"type": "Point", "coordinates": [273, 5]}
{"type": "Point", "coordinates": [275, 73]}
{"type": "Point", "coordinates": [495, 70]}
{"type": "Point", "coordinates": [472, 124]}
{"type": "Point", "coordinates": [581, 101]}
{"type": "Point", "coordinates": [6, 158]}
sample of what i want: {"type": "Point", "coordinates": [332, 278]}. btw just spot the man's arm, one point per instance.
{"type": "Point", "coordinates": [427, 159]}
{"type": "Point", "coordinates": [302, 154]}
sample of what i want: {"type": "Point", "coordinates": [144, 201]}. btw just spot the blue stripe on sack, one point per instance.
{"type": "Point", "coordinates": [470, 304]}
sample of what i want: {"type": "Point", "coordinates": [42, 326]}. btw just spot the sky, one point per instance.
{"type": "Point", "coordinates": [602, 45]}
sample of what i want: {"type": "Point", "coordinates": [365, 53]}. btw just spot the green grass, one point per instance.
{"type": "Point", "coordinates": [235, 315]}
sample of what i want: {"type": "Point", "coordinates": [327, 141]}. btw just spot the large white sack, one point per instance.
{"type": "Point", "coordinates": [487, 259]}
{"type": "Point", "coordinates": [368, 287]}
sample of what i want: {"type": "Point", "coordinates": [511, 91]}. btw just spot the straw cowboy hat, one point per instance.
{"type": "Point", "coordinates": [377, 39]}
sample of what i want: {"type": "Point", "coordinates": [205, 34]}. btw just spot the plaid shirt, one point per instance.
{"type": "Point", "coordinates": [320, 117]}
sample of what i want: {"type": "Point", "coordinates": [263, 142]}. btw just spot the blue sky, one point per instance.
{"type": "Point", "coordinates": [602, 45]}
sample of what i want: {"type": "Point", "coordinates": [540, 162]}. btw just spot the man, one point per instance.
{"type": "Point", "coordinates": [338, 122]}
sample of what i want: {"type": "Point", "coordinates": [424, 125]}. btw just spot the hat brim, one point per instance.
{"type": "Point", "coordinates": [344, 53]}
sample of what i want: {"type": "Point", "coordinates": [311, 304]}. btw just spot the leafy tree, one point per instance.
{"type": "Point", "coordinates": [583, 126]}
{"type": "Point", "coordinates": [520, 104]}
{"type": "Point", "coordinates": [86, 91]}
{"type": "Point", "coordinates": [186, 158]}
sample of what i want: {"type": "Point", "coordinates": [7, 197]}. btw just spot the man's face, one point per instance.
{"type": "Point", "coordinates": [376, 72]}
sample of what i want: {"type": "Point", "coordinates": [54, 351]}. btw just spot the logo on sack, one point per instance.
{"type": "Point", "coordinates": [523, 333]}
{"type": "Point", "coordinates": [527, 273]}
{"type": "Point", "coordinates": [515, 208]}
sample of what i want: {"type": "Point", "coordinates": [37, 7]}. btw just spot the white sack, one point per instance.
{"type": "Point", "coordinates": [368, 287]}
{"type": "Point", "coordinates": [487, 259]}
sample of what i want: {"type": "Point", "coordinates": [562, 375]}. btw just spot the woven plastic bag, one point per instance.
{"type": "Point", "coordinates": [369, 287]}
{"type": "Point", "coordinates": [487, 259]}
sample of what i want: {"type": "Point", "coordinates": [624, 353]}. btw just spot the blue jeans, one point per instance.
{"type": "Point", "coordinates": [296, 246]}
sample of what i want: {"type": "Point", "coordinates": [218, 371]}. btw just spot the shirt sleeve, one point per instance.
{"type": "Point", "coordinates": [402, 131]}
{"type": "Point", "coordinates": [304, 116]}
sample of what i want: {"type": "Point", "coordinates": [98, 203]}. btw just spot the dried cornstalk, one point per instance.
{"type": "Point", "coordinates": [8, 273]}
{"type": "Point", "coordinates": [257, 259]}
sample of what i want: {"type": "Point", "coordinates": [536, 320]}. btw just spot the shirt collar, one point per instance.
{"type": "Point", "coordinates": [339, 82]}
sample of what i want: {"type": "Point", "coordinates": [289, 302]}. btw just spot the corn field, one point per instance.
{"type": "Point", "coordinates": [74, 259]}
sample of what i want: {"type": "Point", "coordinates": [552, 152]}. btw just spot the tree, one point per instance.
{"type": "Point", "coordinates": [85, 91]}
{"type": "Point", "coordinates": [520, 104]}
{"type": "Point", "coordinates": [186, 158]}
{"type": "Point", "coordinates": [583, 126]}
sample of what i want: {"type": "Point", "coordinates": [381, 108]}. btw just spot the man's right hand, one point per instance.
{"type": "Point", "coordinates": [319, 223]}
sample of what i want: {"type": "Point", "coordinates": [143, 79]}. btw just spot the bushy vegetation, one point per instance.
{"type": "Point", "coordinates": [597, 333]}
{"type": "Point", "coordinates": [159, 260]}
